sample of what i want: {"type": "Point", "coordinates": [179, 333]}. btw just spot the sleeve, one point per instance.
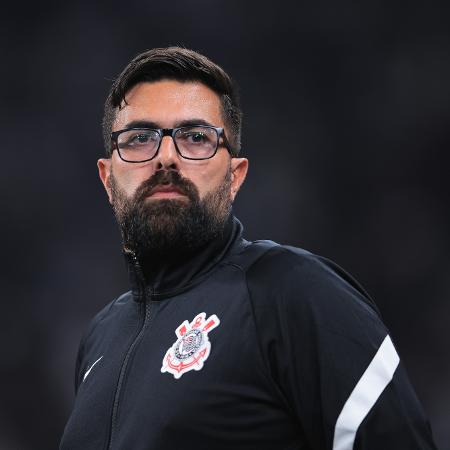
{"type": "Point", "coordinates": [331, 357]}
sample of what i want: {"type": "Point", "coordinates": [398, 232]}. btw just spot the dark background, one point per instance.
{"type": "Point", "coordinates": [347, 109]}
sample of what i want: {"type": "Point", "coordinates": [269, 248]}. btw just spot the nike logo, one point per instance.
{"type": "Point", "coordinates": [90, 368]}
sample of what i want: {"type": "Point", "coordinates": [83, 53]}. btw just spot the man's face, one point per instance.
{"type": "Point", "coordinates": [209, 183]}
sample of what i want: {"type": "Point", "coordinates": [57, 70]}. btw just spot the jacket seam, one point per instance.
{"type": "Point", "coordinates": [266, 366]}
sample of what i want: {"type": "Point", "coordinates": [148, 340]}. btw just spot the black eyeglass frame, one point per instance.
{"type": "Point", "coordinates": [171, 132]}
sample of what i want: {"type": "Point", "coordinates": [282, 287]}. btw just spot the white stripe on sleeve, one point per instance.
{"type": "Point", "coordinates": [374, 380]}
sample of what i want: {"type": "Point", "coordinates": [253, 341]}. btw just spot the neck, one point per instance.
{"type": "Point", "coordinates": [173, 270]}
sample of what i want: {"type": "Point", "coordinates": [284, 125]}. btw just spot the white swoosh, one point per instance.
{"type": "Point", "coordinates": [90, 368]}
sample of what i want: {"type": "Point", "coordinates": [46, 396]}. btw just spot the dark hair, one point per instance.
{"type": "Point", "coordinates": [179, 64]}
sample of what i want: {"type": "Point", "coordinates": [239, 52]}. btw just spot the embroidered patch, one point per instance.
{"type": "Point", "coordinates": [192, 348]}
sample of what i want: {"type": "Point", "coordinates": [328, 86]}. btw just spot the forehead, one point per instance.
{"type": "Point", "coordinates": [168, 102]}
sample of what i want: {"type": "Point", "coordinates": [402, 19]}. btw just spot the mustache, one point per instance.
{"type": "Point", "coordinates": [164, 178]}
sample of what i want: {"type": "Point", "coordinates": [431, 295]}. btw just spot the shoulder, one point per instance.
{"type": "Point", "coordinates": [278, 263]}
{"type": "Point", "coordinates": [278, 260]}
{"type": "Point", "coordinates": [107, 312]}
{"type": "Point", "coordinates": [297, 278]}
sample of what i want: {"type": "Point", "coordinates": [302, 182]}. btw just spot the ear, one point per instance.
{"type": "Point", "coordinates": [104, 171]}
{"type": "Point", "coordinates": [239, 167]}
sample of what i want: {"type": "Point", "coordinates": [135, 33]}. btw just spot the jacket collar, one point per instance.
{"type": "Point", "coordinates": [177, 274]}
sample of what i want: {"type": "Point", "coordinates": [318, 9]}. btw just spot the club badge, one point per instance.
{"type": "Point", "coordinates": [192, 347]}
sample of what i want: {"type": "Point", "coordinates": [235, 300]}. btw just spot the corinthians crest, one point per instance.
{"type": "Point", "coordinates": [192, 348]}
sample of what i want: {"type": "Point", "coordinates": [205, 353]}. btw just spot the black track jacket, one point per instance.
{"type": "Point", "coordinates": [248, 345]}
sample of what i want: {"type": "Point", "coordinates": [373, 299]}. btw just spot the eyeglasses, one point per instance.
{"type": "Point", "coordinates": [197, 142]}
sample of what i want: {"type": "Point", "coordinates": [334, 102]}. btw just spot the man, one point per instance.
{"type": "Point", "coordinates": [221, 343]}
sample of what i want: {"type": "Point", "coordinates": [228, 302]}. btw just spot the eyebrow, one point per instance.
{"type": "Point", "coordinates": [182, 123]}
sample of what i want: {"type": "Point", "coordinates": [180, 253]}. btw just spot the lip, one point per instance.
{"type": "Point", "coordinates": [166, 191]}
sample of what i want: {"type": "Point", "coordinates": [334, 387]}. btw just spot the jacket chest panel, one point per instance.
{"type": "Point", "coordinates": [216, 388]}
{"type": "Point", "coordinates": [216, 393]}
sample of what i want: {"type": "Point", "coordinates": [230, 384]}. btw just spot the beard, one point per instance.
{"type": "Point", "coordinates": [160, 228]}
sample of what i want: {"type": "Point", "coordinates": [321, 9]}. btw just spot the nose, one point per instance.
{"type": "Point", "coordinates": [167, 157]}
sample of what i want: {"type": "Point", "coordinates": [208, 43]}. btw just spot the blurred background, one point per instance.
{"type": "Point", "coordinates": [347, 111]}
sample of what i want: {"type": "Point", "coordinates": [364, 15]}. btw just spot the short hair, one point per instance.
{"type": "Point", "coordinates": [180, 64]}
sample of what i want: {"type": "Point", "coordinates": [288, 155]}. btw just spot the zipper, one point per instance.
{"type": "Point", "coordinates": [147, 294]}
